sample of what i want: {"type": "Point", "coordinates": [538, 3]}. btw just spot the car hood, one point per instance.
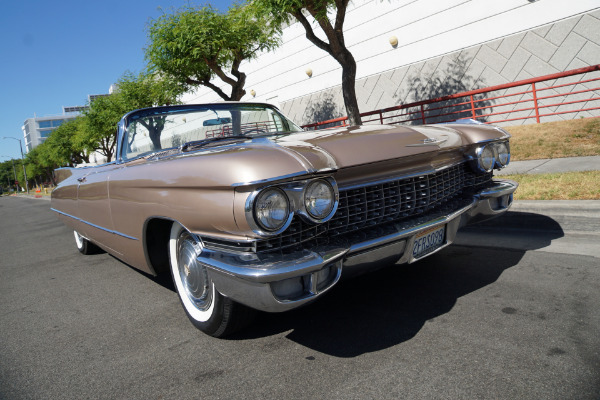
{"type": "Point", "coordinates": [367, 144]}
{"type": "Point", "coordinates": [265, 159]}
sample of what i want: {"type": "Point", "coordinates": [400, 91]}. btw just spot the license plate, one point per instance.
{"type": "Point", "coordinates": [429, 240]}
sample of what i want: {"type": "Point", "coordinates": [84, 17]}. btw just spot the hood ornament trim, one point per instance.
{"type": "Point", "coordinates": [428, 142]}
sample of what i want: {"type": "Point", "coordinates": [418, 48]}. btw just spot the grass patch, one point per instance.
{"type": "Point", "coordinates": [560, 186]}
{"type": "Point", "coordinates": [573, 138]}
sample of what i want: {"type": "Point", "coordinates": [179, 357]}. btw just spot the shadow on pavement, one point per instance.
{"type": "Point", "coordinates": [382, 309]}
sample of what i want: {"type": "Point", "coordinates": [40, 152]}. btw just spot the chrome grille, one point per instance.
{"type": "Point", "coordinates": [376, 204]}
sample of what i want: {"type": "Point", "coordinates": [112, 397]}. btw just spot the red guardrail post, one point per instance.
{"type": "Point", "coordinates": [535, 103]}
{"type": "Point", "coordinates": [380, 117]}
{"type": "Point", "coordinates": [472, 107]}
{"type": "Point", "coordinates": [423, 114]}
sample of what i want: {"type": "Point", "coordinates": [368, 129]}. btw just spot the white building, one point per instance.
{"type": "Point", "coordinates": [37, 129]}
{"type": "Point", "coordinates": [444, 47]}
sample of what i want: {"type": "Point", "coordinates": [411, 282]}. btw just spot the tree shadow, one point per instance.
{"type": "Point", "coordinates": [452, 79]}
{"type": "Point", "coordinates": [390, 306]}
{"type": "Point", "coordinates": [324, 109]}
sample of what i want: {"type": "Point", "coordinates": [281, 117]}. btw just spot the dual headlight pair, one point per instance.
{"type": "Point", "coordinates": [492, 155]}
{"type": "Point", "coordinates": [270, 211]}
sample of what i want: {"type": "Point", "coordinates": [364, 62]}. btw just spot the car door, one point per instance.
{"type": "Point", "coordinates": [93, 206]}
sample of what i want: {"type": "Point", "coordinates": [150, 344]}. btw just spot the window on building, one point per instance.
{"type": "Point", "coordinates": [45, 124]}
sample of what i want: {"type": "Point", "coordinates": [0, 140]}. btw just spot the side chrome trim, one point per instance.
{"type": "Point", "coordinates": [276, 178]}
{"type": "Point", "coordinates": [94, 225]}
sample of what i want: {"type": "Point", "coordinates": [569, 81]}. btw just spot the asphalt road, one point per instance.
{"type": "Point", "coordinates": [515, 317]}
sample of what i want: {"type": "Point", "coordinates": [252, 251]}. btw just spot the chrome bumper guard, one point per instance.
{"type": "Point", "coordinates": [280, 282]}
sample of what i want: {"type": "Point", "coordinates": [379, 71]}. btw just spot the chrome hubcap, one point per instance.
{"type": "Point", "coordinates": [193, 275]}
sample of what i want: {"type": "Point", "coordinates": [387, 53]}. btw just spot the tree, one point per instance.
{"type": "Point", "coordinates": [147, 90]}
{"type": "Point", "coordinates": [39, 163]}
{"type": "Point", "coordinates": [61, 148]}
{"type": "Point", "coordinates": [7, 173]}
{"type": "Point", "coordinates": [282, 11]}
{"type": "Point", "coordinates": [193, 46]}
{"type": "Point", "coordinates": [99, 124]}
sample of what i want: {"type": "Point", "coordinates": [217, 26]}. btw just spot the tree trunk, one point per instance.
{"type": "Point", "coordinates": [50, 173]}
{"type": "Point", "coordinates": [337, 49]}
{"type": "Point", "coordinates": [236, 122]}
{"type": "Point", "coordinates": [348, 89]}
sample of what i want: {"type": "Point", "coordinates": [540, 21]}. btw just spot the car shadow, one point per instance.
{"type": "Point", "coordinates": [390, 306]}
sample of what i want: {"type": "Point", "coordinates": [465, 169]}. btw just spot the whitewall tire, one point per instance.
{"type": "Point", "coordinates": [207, 309]}
{"type": "Point", "coordinates": [85, 246]}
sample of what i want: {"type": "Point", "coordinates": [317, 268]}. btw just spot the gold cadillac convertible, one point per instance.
{"type": "Point", "coordinates": [246, 211]}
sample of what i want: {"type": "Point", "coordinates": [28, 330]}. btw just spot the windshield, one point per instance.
{"type": "Point", "coordinates": [154, 129]}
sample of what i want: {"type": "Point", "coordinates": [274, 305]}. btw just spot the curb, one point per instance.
{"type": "Point", "coordinates": [551, 165]}
{"type": "Point", "coordinates": [559, 207]}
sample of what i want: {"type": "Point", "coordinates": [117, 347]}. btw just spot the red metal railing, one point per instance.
{"type": "Point", "coordinates": [534, 98]}
{"type": "Point", "coordinates": [227, 130]}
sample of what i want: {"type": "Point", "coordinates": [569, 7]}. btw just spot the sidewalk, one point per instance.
{"type": "Point", "coordinates": [553, 165]}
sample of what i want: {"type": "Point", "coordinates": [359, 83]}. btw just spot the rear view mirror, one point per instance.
{"type": "Point", "coordinates": [216, 121]}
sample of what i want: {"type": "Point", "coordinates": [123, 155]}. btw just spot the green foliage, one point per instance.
{"type": "Point", "coordinates": [7, 174]}
{"type": "Point", "coordinates": [148, 90]}
{"type": "Point", "coordinates": [329, 16]}
{"type": "Point", "coordinates": [98, 128]}
{"type": "Point", "coordinates": [192, 46]}
{"type": "Point", "coordinates": [284, 11]}
{"type": "Point", "coordinates": [62, 147]}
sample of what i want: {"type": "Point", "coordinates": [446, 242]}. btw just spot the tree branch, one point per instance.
{"type": "Point", "coordinates": [216, 89]}
{"type": "Point", "coordinates": [191, 81]}
{"type": "Point", "coordinates": [334, 40]}
{"type": "Point", "coordinates": [340, 17]}
{"type": "Point", "coordinates": [310, 34]}
{"type": "Point", "coordinates": [219, 72]}
{"type": "Point", "coordinates": [145, 124]}
{"type": "Point", "coordinates": [235, 67]}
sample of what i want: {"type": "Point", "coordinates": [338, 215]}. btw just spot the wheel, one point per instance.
{"type": "Point", "coordinates": [85, 246]}
{"type": "Point", "coordinates": [210, 311]}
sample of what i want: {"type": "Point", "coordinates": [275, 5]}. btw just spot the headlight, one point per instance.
{"type": "Point", "coordinates": [503, 154]}
{"type": "Point", "coordinates": [319, 199]}
{"type": "Point", "coordinates": [271, 209]}
{"type": "Point", "coordinates": [485, 158]}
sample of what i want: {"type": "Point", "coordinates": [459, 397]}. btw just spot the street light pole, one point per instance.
{"type": "Point", "coordinates": [22, 160]}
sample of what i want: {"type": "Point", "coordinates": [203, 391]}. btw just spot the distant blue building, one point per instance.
{"type": "Point", "coordinates": [37, 129]}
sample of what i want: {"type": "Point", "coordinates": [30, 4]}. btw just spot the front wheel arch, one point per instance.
{"type": "Point", "coordinates": [156, 247]}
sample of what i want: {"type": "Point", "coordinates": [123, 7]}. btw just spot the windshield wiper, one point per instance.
{"type": "Point", "coordinates": [194, 144]}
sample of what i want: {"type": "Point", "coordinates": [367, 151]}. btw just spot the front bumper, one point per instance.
{"type": "Point", "coordinates": [281, 282]}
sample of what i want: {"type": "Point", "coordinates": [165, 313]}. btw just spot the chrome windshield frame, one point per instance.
{"type": "Point", "coordinates": [128, 118]}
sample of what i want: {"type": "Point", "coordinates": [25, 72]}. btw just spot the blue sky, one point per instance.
{"type": "Point", "coordinates": [55, 53]}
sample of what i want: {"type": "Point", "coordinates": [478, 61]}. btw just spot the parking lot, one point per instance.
{"type": "Point", "coordinates": [498, 317]}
